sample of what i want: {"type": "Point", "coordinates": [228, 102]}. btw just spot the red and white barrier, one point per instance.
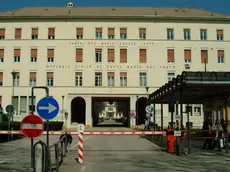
{"type": "Point", "coordinates": [104, 133]}
{"type": "Point", "coordinates": [80, 148]}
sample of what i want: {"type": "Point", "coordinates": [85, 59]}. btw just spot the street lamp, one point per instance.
{"type": "Point", "coordinates": [63, 108]}
{"type": "Point", "coordinates": [137, 111]}
{"type": "Point", "coordinates": [13, 73]}
{"type": "Point", "coordinates": [147, 91]}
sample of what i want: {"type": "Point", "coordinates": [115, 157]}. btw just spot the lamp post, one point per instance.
{"type": "Point", "coordinates": [13, 73]}
{"type": "Point", "coordinates": [147, 91]}
{"type": "Point", "coordinates": [66, 117]}
{"type": "Point", "coordinates": [63, 108]}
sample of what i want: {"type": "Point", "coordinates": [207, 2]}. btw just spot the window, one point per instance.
{"type": "Point", "coordinates": [50, 79]}
{"type": "Point", "coordinates": [187, 34]}
{"type": "Point", "coordinates": [220, 56]}
{"type": "Point", "coordinates": [34, 34]}
{"type": "Point", "coordinates": [110, 79]}
{"type": "Point", "coordinates": [0, 101]}
{"type": "Point", "coordinates": [15, 103]}
{"type": "Point", "coordinates": [78, 79]}
{"type": "Point", "coordinates": [142, 33]}
{"type": "Point", "coordinates": [2, 34]}
{"type": "Point", "coordinates": [203, 34]}
{"type": "Point", "coordinates": [220, 35]}
{"type": "Point", "coordinates": [50, 55]}
{"type": "Point", "coordinates": [30, 103]}
{"type": "Point", "coordinates": [170, 55]}
{"type": "Point", "coordinates": [17, 54]}
{"type": "Point", "coordinates": [23, 104]}
{"type": "Point", "coordinates": [204, 56]}
{"type": "Point", "coordinates": [188, 109]}
{"type": "Point", "coordinates": [170, 34]}
{"type": "Point", "coordinates": [1, 78]}
{"type": "Point", "coordinates": [51, 33]}
{"type": "Point", "coordinates": [32, 79]}
{"type": "Point", "coordinates": [98, 79]}
{"type": "Point", "coordinates": [197, 109]}
{"type": "Point", "coordinates": [187, 56]}
{"type": "Point", "coordinates": [98, 55]}
{"type": "Point", "coordinates": [123, 55]}
{"type": "Point", "coordinates": [17, 79]}
{"type": "Point", "coordinates": [143, 79]}
{"type": "Point", "coordinates": [142, 56]}
{"type": "Point", "coordinates": [18, 33]}
{"type": "Point", "coordinates": [79, 33]}
{"type": "Point", "coordinates": [171, 76]}
{"type": "Point", "coordinates": [98, 33]}
{"type": "Point", "coordinates": [79, 55]}
{"type": "Point", "coordinates": [111, 33]}
{"type": "Point", "coordinates": [110, 108]}
{"type": "Point", "coordinates": [110, 55]}
{"type": "Point", "coordinates": [123, 79]}
{"type": "Point", "coordinates": [123, 33]}
{"type": "Point", "coordinates": [33, 55]}
{"type": "Point", "coordinates": [1, 55]}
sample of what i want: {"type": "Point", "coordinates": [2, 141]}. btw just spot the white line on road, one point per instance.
{"type": "Point", "coordinates": [77, 143]}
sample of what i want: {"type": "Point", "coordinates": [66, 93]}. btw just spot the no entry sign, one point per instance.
{"type": "Point", "coordinates": [32, 126]}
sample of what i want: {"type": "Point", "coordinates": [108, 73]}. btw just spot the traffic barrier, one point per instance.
{"type": "Point", "coordinates": [60, 149]}
{"type": "Point", "coordinates": [80, 148]}
{"type": "Point", "coordinates": [96, 132]}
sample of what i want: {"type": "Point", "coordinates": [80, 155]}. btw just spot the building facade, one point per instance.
{"type": "Point", "coordinates": [81, 52]}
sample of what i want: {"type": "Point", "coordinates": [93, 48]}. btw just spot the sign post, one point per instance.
{"type": "Point", "coordinates": [10, 111]}
{"type": "Point", "coordinates": [80, 129]}
{"type": "Point", "coordinates": [47, 109]}
{"type": "Point", "coordinates": [32, 126]}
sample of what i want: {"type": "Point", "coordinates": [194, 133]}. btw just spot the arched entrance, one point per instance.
{"type": "Point", "coordinates": [78, 108]}
{"type": "Point", "coordinates": [141, 103]}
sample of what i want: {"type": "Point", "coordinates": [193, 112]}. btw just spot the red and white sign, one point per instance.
{"type": "Point", "coordinates": [32, 126]}
{"type": "Point", "coordinates": [132, 113]}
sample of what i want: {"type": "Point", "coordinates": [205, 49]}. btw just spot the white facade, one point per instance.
{"type": "Point", "coordinates": [65, 65]}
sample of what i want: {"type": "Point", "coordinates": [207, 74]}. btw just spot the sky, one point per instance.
{"type": "Point", "coordinates": [220, 6]}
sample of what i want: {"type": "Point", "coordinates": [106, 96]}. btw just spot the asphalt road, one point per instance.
{"type": "Point", "coordinates": [115, 154]}
{"type": "Point", "coordinates": [136, 154]}
{"type": "Point", "coordinates": [15, 155]}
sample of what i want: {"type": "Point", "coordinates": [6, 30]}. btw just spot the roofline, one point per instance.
{"type": "Point", "coordinates": [211, 18]}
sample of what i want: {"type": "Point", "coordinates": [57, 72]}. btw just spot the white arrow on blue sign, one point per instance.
{"type": "Point", "coordinates": [48, 108]}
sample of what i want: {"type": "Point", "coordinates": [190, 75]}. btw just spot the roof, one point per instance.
{"type": "Point", "coordinates": [110, 12]}
{"type": "Point", "coordinates": [194, 88]}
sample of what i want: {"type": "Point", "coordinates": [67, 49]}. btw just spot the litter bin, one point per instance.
{"type": "Point", "coordinates": [170, 140]}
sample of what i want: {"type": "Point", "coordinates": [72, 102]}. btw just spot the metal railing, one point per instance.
{"type": "Point", "coordinates": [57, 150]}
{"type": "Point", "coordinates": [49, 159]}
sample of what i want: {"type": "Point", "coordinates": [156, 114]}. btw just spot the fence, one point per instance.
{"type": "Point", "coordinates": [49, 159]}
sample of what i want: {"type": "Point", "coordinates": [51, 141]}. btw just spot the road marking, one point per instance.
{"type": "Point", "coordinates": [77, 143]}
{"type": "Point", "coordinates": [83, 169]}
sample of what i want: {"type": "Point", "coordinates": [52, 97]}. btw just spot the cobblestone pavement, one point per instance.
{"type": "Point", "coordinates": [15, 155]}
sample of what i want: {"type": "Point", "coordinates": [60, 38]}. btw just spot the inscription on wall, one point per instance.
{"type": "Point", "coordinates": [121, 43]}
{"type": "Point", "coordinates": [79, 66]}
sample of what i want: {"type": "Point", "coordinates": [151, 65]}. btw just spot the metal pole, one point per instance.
{"type": "Point", "coordinates": [137, 111]}
{"type": "Point", "coordinates": [189, 133]}
{"type": "Point", "coordinates": [154, 115]}
{"type": "Point", "coordinates": [226, 122]}
{"type": "Point", "coordinates": [63, 108]}
{"type": "Point", "coordinates": [12, 116]}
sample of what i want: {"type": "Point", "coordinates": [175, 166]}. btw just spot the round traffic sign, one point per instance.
{"type": "Point", "coordinates": [10, 109]}
{"type": "Point", "coordinates": [132, 114]}
{"type": "Point", "coordinates": [32, 126]}
{"type": "Point", "coordinates": [149, 109]}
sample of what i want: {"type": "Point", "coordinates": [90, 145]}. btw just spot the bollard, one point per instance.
{"type": "Point", "coordinates": [39, 158]}
{"type": "Point", "coordinates": [80, 148]}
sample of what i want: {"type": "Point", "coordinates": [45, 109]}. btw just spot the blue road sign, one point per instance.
{"type": "Point", "coordinates": [47, 108]}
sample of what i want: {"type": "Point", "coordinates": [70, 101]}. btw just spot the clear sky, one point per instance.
{"type": "Point", "coordinates": [221, 6]}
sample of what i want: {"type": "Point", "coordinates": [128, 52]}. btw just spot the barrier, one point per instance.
{"type": "Point", "coordinates": [60, 149]}
{"type": "Point", "coordinates": [96, 132]}
{"type": "Point", "coordinates": [80, 148]}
